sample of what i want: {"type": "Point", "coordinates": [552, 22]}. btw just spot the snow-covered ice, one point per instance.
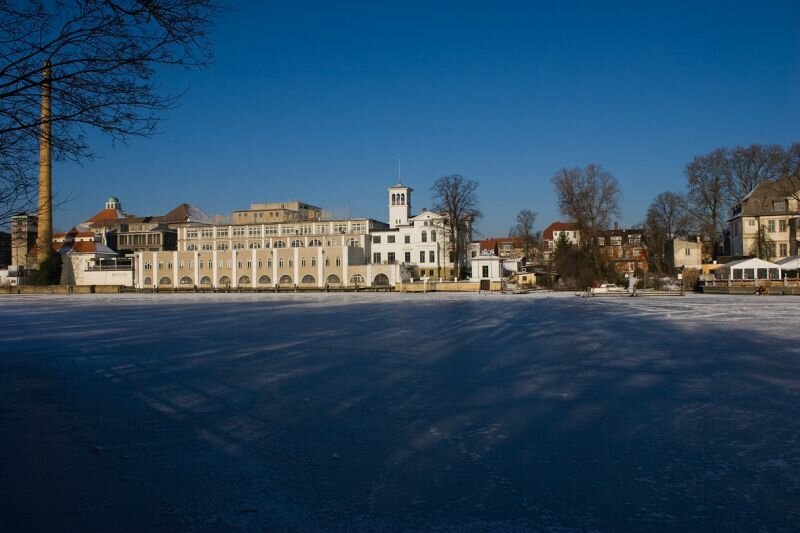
{"type": "Point", "coordinates": [397, 411]}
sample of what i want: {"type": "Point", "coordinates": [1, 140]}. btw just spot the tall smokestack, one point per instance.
{"type": "Point", "coordinates": [44, 241]}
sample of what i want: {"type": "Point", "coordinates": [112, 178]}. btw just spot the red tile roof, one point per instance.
{"type": "Point", "coordinates": [547, 234]}
{"type": "Point", "coordinates": [107, 214]}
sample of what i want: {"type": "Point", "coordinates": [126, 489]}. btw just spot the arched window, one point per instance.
{"type": "Point", "coordinates": [279, 244]}
{"type": "Point", "coordinates": [148, 281]}
{"type": "Point", "coordinates": [353, 242]}
{"type": "Point", "coordinates": [222, 246]}
{"type": "Point", "coordinates": [381, 280]}
{"type": "Point", "coordinates": [433, 235]}
{"type": "Point", "coordinates": [255, 245]}
{"type": "Point", "coordinates": [191, 247]}
{"type": "Point", "coordinates": [280, 262]}
{"type": "Point", "coordinates": [308, 278]}
{"type": "Point", "coordinates": [424, 236]}
{"type": "Point", "coordinates": [338, 262]}
{"type": "Point", "coordinates": [315, 242]}
{"type": "Point", "coordinates": [186, 280]}
{"type": "Point", "coordinates": [302, 261]}
{"type": "Point", "coordinates": [297, 243]}
{"type": "Point", "coordinates": [264, 280]}
{"type": "Point", "coordinates": [224, 280]}
{"type": "Point", "coordinates": [244, 280]}
{"type": "Point", "coordinates": [286, 280]}
{"type": "Point", "coordinates": [394, 199]}
{"type": "Point", "coordinates": [357, 278]}
{"type": "Point", "coordinates": [333, 278]}
{"type": "Point", "coordinates": [313, 261]}
{"type": "Point", "coordinates": [165, 281]}
{"type": "Point", "coordinates": [205, 280]}
{"type": "Point", "coordinates": [402, 199]}
{"type": "Point", "coordinates": [238, 246]}
{"type": "Point", "coordinates": [207, 247]}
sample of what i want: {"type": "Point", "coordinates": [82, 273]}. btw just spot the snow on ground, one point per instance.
{"type": "Point", "coordinates": [397, 411]}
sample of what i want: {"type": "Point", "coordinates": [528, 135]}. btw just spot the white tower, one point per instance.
{"type": "Point", "coordinates": [399, 205]}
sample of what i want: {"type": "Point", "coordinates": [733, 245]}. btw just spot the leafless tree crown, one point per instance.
{"type": "Point", "coordinates": [588, 196]}
{"type": "Point", "coordinates": [456, 197]}
{"type": "Point", "coordinates": [105, 57]}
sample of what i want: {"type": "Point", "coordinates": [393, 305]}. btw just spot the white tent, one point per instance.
{"type": "Point", "coordinates": [789, 263]}
{"type": "Point", "coordinates": [749, 269]}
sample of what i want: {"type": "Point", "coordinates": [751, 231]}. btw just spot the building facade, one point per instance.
{"type": "Point", "coordinates": [771, 210]}
{"type": "Point", "coordinates": [303, 251]}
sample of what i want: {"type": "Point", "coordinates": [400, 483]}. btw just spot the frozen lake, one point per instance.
{"type": "Point", "coordinates": [397, 411]}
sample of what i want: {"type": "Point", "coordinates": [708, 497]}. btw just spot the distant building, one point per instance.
{"type": "Point", "coordinates": [624, 249]}
{"type": "Point", "coordinates": [774, 207]}
{"type": "Point", "coordinates": [553, 233]}
{"type": "Point", "coordinates": [277, 212]}
{"type": "Point", "coordinates": [681, 253]}
{"type": "Point", "coordinates": [505, 247]}
{"type": "Point", "coordinates": [24, 232]}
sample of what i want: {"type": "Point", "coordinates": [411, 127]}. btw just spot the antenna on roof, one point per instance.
{"type": "Point", "coordinates": [399, 181]}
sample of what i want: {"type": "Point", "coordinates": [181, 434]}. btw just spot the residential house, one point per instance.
{"type": "Point", "coordinates": [773, 209]}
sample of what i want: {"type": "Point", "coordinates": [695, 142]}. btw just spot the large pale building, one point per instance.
{"type": "Point", "coordinates": [774, 208]}
{"type": "Point", "coordinates": [256, 251]}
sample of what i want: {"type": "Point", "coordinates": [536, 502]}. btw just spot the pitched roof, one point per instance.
{"type": "Point", "coordinates": [84, 247]}
{"type": "Point", "coordinates": [106, 214]}
{"type": "Point", "coordinates": [547, 234]}
{"type": "Point", "coordinates": [187, 213]}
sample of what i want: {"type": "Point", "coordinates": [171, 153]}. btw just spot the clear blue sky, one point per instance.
{"type": "Point", "coordinates": [315, 102]}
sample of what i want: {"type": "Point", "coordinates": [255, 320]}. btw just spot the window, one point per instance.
{"type": "Point", "coordinates": [255, 245]}
{"type": "Point", "coordinates": [315, 242]}
{"type": "Point", "coordinates": [340, 227]}
{"type": "Point", "coordinates": [616, 240]}
{"type": "Point", "coordinates": [779, 206]}
{"type": "Point", "coordinates": [322, 228]}
{"type": "Point", "coordinates": [390, 257]}
{"type": "Point", "coordinates": [249, 264]}
{"type": "Point", "coordinates": [390, 239]}
{"type": "Point", "coordinates": [279, 244]}
{"type": "Point", "coordinates": [376, 239]}
{"type": "Point", "coordinates": [376, 257]}
{"type": "Point", "coordinates": [771, 226]}
{"type": "Point", "coordinates": [431, 256]}
{"type": "Point", "coordinates": [182, 265]}
{"type": "Point", "coordinates": [751, 222]}
{"type": "Point", "coordinates": [191, 247]}
{"type": "Point", "coordinates": [304, 229]}
{"type": "Point", "coordinates": [422, 256]}
{"type": "Point", "coordinates": [313, 261]}
{"type": "Point", "coordinates": [358, 227]}
{"type": "Point", "coordinates": [238, 246]}
{"type": "Point", "coordinates": [270, 230]}
{"type": "Point", "coordinates": [433, 235]}
{"type": "Point", "coordinates": [200, 264]}
{"type": "Point", "coordinates": [254, 231]}
{"type": "Point", "coordinates": [238, 231]}
{"type": "Point", "coordinates": [782, 225]}
{"type": "Point", "coordinates": [302, 261]}
{"type": "Point", "coordinates": [238, 264]}
{"type": "Point", "coordinates": [260, 263]}
{"type": "Point", "coordinates": [601, 241]}
{"type": "Point", "coordinates": [297, 243]}
{"type": "Point", "coordinates": [207, 233]}
{"type": "Point", "coordinates": [407, 257]}
{"type": "Point", "coordinates": [485, 271]}
{"type": "Point", "coordinates": [338, 262]}
{"type": "Point", "coordinates": [280, 263]}
{"type": "Point", "coordinates": [407, 239]}
{"type": "Point", "coordinates": [687, 252]}
{"type": "Point", "coordinates": [222, 246]}
{"type": "Point", "coordinates": [288, 230]}
{"type": "Point", "coordinates": [784, 249]}
{"type": "Point", "coordinates": [269, 262]}
{"type": "Point", "coordinates": [424, 236]}
{"type": "Point", "coordinates": [191, 234]}
{"type": "Point", "coordinates": [353, 242]}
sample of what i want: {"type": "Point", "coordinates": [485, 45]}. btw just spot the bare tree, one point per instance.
{"type": "Point", "coordinates": [105, 56]}
{"type": "Point", "coordinates": [666, 219]}
{"type": "Point", "coordinates": [523, 230]}
{"type": "Point", "coordinates": [706, 197]}
{"type": "Point", "coordinates": [748, 167]}
{"type": "Point", "coordinates": [456, 197]}
{"type": "Point", "coordinates": [588, 196]}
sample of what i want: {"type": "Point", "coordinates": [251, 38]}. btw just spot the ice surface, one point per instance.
{"type": "Point", "coordinates": [397, 411]}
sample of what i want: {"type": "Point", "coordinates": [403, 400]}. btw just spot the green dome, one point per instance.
{"type": "Point", "coordinates": [112, 199]}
